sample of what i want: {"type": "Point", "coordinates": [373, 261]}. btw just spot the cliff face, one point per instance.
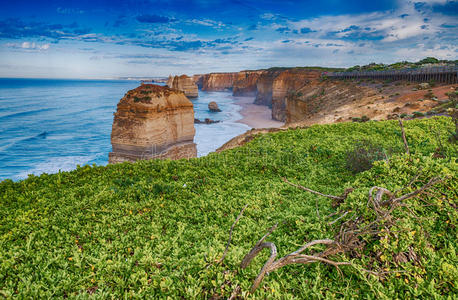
{"type": "Point", "coordinates": [198, 80]}
{"type": "Point", "coordinates": [245, 83]}
{"type": "Point", "coordinates": [153, 121]}
{"type": "Point", "coordinates": [287, 82]}
{"type": "Point", "coordinates": [242, 83]}
{"type": "Point", "coordinates": [317, 97]}
{"type": "Point", "coordinates": [218, 81]}
{"type": "Point", "coordinates": [264, 88]}
{"type": "Point", "coordinates": [185, 84]}
{"type": "Point", "coordinates": [333, 101]}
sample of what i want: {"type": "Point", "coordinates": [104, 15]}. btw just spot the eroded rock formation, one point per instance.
{"type": "Point", "coordinates": [287, 82]}
{"type": "Point", "coordinates": [241, 83]}
{"type": "Point", "coordinates": [198, 80]}
{"type": "Point", "coordinates": [213, 106]}
{"type": "Point", "coordinates": [151, 122]}
{"type": "Point", "coordinates": [185, 84]}
{"type": "Point", "coordinates": [264, 88]}
{"type": "Point", "coordinates": [245, 83]}
{"type": "Point", "coordinates": [218, 81]}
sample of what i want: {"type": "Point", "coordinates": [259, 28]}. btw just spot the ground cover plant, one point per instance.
{"type": "Point", "coordinates": [159, 228]}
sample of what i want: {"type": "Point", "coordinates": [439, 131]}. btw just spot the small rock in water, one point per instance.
{"type": "Point", "coordinates": [206, 121]}
{"type": "Point", "coordinates": [213, 106]}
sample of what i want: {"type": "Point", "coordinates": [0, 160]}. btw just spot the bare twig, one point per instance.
{"type": "Point", "coordinates": [230, 234]}
{"type": "Point", "coordinates": [430, 183]}
{"type": "Point", "coordinates": [330, 223]}
{"type": "Point", "coordinates": [404, 137]}
{"type": "Point", "coordinates": [412, 181]}
{"type": "Point", "coordinates": [312, 191]}
{"type": "Point", "coordinates": [235, 293]}
{"type": "Point", "coordinates": [351, 237]}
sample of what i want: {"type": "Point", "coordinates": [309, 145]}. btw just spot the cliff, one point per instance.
{"type": "Point", "coordinates": [241, 83]}
{"type": "Point", "coordinates": [287, 82]}
{"type": "Point", "coordinates": [153, 121]}
{"type": "Point", "coordinates": [218, 81]}
{"type": "Point", "coordinates": [245, 83]}
{"type": "Point", "coordinates": [185, 84]}
{"type": "Point", "coordinates": [331, 101]}
{"type": "Point", "coordinates": [198, 80]}
{"type": "Point", "coordinates": [264, 88]}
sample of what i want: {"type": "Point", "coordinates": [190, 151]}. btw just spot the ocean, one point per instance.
{"type": "Point", "coordinates": [47, 125]}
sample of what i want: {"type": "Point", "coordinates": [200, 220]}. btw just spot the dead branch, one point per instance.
{"type": "Point", "coordinates": [342, 216]}
{"type": "Point", "coordinates": [404, 137]}
{"type": "Point", "coordinates": [230, 234]}
{"type": "Point", "coordinates": [235, 293]}
{"type": "Point", "coordinates": [312, 191]}
{"type": "Point", "coordinates": [351, 237]}
{"type": "Point", "coordinates": [430, 183]}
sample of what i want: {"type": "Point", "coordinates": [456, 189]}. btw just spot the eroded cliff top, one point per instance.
{"type": "Point", "coordinates": [152, 90]}
{"type": "Point", "coordinates": [155, 97]}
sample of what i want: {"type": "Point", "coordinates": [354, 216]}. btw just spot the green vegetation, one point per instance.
{"type": "Point", "coordinates": [156, 228]}
{"type": "Point", "coordinates": [418, 114]}
{"type": "Point", "coordinates": [401, 65]}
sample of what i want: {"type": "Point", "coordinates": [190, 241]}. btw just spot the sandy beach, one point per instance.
{"type": "Point", "coordinates": [256, 116]}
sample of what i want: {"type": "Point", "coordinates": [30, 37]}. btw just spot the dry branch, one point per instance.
{"type": "Point", "coordinates": [312, 191]}
{"type": "Point", "coordinates": [404, 137]}
{"type": "Point", "coordinates": [230, 234]}
{"type": "Point", "coordinates": [349, 238]}
{"type": "Point", "coordinates": [235, 293]}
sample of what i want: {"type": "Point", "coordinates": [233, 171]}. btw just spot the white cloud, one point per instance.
{"type": "Point", "coordinates": [28, 46]}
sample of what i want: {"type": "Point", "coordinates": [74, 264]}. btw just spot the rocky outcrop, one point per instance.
{"type": "Point", "coordinates": [151, 122]}
{"type": "Point", "coordinates": [218, 81]}
{"type": "Point", "coordinates": [287, 82]}
{"type": "Point", "coordinates": [245, 83]}
{"type": "Point", "coordinates": [185, 84]}
{"type": "Point", "coordinates": [213, 107]}
{"type": "Point", "coordinates": [205, 121]}
{"type": "Point", "coordinates": [198, 80]}
{"type": "Point", "coordinates": [264, 88]}
{"type": "Point", "coordinates": [241, 83]}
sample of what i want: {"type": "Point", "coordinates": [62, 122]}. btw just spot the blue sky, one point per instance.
{"type": "Point", "coordinates": [106, 39]}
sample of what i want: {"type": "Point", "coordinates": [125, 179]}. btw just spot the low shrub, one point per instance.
{"type": "Point", "coordinates": [363, 155]}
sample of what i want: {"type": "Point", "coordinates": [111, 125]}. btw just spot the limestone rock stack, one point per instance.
{"type": "Point", "coordinates": [185, 84]}
{"type": "Point", "coordinates": [151, 122]}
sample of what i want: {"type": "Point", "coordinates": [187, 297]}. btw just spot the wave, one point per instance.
{"type": "Point", "coordinates": [25, 113]}
{"type": "Point", "coordinates": [43, 135]}
{"type": "Point", "coordinates": [84, 111]}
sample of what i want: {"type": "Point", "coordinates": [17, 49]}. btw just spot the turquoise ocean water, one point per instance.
{"type": "Point", "coordinates": [48, 125]}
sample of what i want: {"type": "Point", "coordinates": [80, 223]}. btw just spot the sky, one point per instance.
{"type": "Point", "coordinates": [110, 39]}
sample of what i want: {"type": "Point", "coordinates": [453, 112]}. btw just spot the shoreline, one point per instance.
{"type": "Point", "coordinates": [255, 116]}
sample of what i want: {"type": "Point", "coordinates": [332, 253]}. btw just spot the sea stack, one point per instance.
{"type": "Point", "coordinates": [185, 84]}
{"type": "Point", "coordinates": [152, 122]}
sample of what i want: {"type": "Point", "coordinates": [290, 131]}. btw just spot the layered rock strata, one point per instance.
{"type": "Point", "coordinates": [152, 122]}
{"type": "Point", "coordinates": [286, 83]}
{"type": "Point", "coordinates": [264, 88]}
{"type": "Point", "coordinates": [218, 81]}
{"type": "Point", "coordinates": [245, 83]}
{"type": "Point", "coordinates": [185, 84]}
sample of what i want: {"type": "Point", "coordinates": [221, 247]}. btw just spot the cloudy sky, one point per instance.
{"type": "Point", "coordinates": [112, 38]}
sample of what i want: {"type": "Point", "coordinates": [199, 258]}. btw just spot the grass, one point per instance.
{"type": "Point", "coordinates": [150, 229]}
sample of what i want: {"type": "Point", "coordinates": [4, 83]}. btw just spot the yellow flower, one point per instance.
{"type": "Point", "coordinates": [70, 258]}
